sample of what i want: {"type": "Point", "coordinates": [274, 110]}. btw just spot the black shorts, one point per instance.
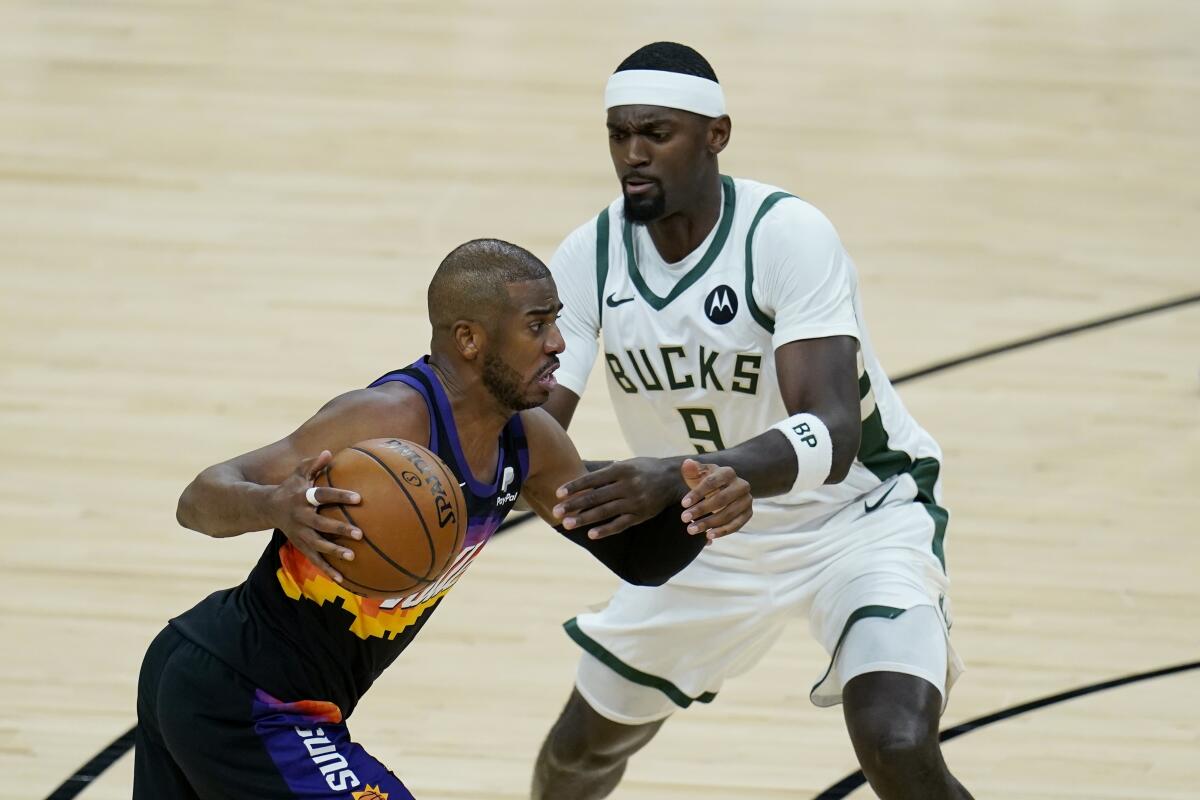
{"type": "Point", "coordinates": [205, 732]}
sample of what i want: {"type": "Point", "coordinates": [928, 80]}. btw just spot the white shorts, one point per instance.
{"type": "Point", "coordinates": [652, 650]}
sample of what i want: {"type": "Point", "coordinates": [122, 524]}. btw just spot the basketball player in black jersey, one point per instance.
{"type": "Point", "coordinates": [246, 694]}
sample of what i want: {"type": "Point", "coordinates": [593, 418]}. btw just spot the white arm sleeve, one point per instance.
{"type": "Point", "coordinates": [803, 277]}
{"type": "Point", "coordinates": [574, 270]}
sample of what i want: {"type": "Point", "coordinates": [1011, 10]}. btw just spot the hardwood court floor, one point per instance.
{"type": "Point", "coordinates": [214, 216]}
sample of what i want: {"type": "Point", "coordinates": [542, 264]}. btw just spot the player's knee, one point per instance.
{"type": "Point", "coordinates": [898, 750]}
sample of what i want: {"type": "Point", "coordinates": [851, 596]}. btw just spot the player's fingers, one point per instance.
{"type": "Point", "coordinates": [592, 480]}
{"type": "Point", "coordinates": [717, 500]}
{"type": "Point", "coordinates": [724, 530]}
{"type": "Point", "coordinates": [329, 496]}
{"type": "Point", "coordinates": [315, 541]}
{"type": "Point", "coordinates": [721, 517]}
{"type": "Point", "coordinates": [714, 478]}
{"type": "Point", "coordinates": [583, 501]}
{"type": "Point", "coordinates": [319, 562]}
{"type": "Point", "coordinates": [615, 526]}
{"type": "Point", "coordinates": [329, 526]}
{"type": "Point", "coordinates": [309, 467]}
{"type": "Point", "coordinates": [600, 513]}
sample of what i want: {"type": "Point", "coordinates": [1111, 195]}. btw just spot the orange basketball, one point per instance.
{"type": "Point", "coordinates": [412, 515]}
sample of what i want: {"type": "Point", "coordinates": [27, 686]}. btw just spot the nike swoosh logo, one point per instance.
{"type": "Point", "coordinates": [612, 302]}
{"type": "Point", "coordinates": [868, 508]}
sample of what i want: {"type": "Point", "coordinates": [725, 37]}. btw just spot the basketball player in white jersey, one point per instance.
{"type": "Point", "coordinates": [730, 322]}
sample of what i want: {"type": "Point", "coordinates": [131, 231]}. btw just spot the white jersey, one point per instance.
{"type": "Point", "coordinates": [689, 347]}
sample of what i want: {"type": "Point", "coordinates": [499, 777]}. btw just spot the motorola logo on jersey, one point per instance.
{"type": "Point", "coordinates": [721, 305]}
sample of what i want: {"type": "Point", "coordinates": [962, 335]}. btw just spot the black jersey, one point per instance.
{"type": "Point", "coordinates": [298, 635]}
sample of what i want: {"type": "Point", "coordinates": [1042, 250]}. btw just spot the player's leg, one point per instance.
{"type": "Point", "coordinates": [585, 755]}
{"type": "Point", "coordinates": [230, 739]}
{"type": "Point", "coordinates": [881, 613]}
{"type": "Point", "coordinates": [155, 773]}
{"type": "Point", "coordinates": [649, 652]}
{"type": "Point", "coordinates": [893, 683]}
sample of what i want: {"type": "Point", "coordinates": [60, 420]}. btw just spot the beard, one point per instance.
{"type": "Point", "coordinates": [645, 209]}
{"type": "Point", "coordinates": [505, 384]}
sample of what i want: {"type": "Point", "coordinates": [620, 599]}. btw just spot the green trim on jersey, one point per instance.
{"type": "Point", "coordinates": [864, 385]}
{"type": "Point", "coordinates": [714, 249]}
{"type": "Point", "coordinates": [601, 262]}
{"type": "Point", "coordinates": [676, 695]}
{"type": "Point", "coordinates": [886, 612]}
{"type": "Point", "coordinates": [885, 463]}
{"type": "Point", "coordinates": [759, 315]}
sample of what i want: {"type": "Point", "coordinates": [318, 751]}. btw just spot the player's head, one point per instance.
{"type": "Point", "coordinates": [666, 125]}
{"type": "Point", "coordinates": [493, 304]}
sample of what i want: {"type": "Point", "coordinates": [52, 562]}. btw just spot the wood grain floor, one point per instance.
{"type": "Point", "coordinates": [214, 216]}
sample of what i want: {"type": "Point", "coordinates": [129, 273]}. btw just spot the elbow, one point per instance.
{"type": "Point", "coordinates": [646, 580]}
{"type": "Point", "coordinates": [183, 511]}
{"type": "Point", "coordinates": [186, 513]}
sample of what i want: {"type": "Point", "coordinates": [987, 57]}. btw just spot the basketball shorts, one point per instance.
{"type": "Point", "coordinates": [652, 650]}
{"type": "Point", "coordinates": [205, 733]}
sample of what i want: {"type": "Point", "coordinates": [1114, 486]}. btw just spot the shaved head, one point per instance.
{"type": "Point", "coordinates": [471, 282]}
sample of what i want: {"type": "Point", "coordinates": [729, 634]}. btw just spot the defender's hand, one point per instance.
{"type": "Point", "coordinates": [300, 522]}
{"type": "Point", "coordinates": [624, 493]}
{"type": "Point", "coordinates": [719, 502]}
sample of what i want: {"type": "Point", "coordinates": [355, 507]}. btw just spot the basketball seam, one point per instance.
{"type": "Point", "coordinates": [422, 578]}
{"type": "Point", "coordinates": [416, 509]}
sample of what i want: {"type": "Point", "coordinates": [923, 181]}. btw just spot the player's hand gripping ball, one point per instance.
{"type": "Point", "coordinates": [412, 515]}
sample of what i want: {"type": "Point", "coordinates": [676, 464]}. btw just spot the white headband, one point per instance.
{"type": "Point", "coordinates": [653, 87]}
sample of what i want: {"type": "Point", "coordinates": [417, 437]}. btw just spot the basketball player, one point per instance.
{"type": "Point", "coordinates": [731, 323]}
{"type": "Point", "coordinates": [246, 694]}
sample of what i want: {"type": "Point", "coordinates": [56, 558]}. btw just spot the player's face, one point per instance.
{"type": "Point", "coordinates": [519, 369]}
{"type": "Point", "coordinates": [661, 156]}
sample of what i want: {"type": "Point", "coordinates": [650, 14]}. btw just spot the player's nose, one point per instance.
{"type": "Point", "coordinates": [555, 343]}
{"type": "Point", "coordinates": [636, 152]}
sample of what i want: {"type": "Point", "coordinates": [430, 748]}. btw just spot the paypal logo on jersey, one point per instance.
{"type": "Point", "coordinates": [721, 305]}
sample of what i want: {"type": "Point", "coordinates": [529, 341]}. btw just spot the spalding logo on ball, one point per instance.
{"type": "Point", "coordinates": [412, 515]}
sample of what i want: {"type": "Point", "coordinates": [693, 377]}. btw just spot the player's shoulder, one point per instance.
{"type": "Point", "coordinates": [778, 206]}
{"type": "Point", "coordinates": [387, 405]}
{"type": "Point", "coordinates": [785, 223]}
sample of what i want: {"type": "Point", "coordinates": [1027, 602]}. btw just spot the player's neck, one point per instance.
{"type": "Point", "coordinates": [477, 414]}
{"type": "Point", "coordinates": [676, 235]}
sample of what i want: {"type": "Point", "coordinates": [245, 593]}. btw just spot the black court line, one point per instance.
{"type": "Point", "coordinates": [1018, 344]}
{"type": "Point", "coordinates": [92, 769]}
{"type": "Point", "coordinates": [75, 784]}
{"type": "Point", "coordinates": [851, 782]}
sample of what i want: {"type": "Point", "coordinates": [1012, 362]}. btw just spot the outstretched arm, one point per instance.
{"type": "Point", "coordinates": [648, 553]}
{"type": "Point", "coordinates": [816, 376]}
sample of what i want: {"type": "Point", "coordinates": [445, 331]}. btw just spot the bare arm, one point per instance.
{"type": "Point", "coordinates": [648, 553]}
{"type": "Point", "coordinates": [265, 488]}
{"type": "Point", "coordinates": [817, 376]}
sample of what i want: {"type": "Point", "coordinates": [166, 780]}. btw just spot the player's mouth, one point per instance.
{"type": "Point", "coordinates": [636, 184]}
{"type": "Point", "coordinates": [546, 378]}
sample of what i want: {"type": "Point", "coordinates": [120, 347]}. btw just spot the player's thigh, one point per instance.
{"type": "Point", "coordinates": [868, 594]}
{"type": "Point", "coordinates": [232, 740]}
{"type": "Point", "coordinates": [652, 651]}
{"type": "Point", "coordinates": [913, 643]}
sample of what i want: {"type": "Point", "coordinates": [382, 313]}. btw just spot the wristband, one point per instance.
{"type": "Point", "coordinates": [814, 450]}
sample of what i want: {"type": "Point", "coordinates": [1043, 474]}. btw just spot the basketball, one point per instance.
{"type": "Point", "coordinates": [412, 515]}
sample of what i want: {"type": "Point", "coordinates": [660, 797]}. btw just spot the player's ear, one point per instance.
{"type": "Point", "coordinates": [470, 338]}
{"type": "Point", "coordinates": [719, 131]}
